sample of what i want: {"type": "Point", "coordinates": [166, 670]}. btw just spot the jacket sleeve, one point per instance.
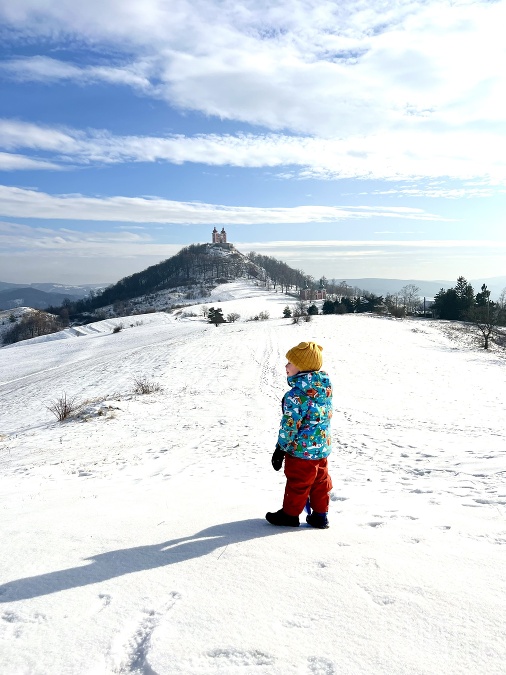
{"type": "Point", "coordinates": [294, 411]}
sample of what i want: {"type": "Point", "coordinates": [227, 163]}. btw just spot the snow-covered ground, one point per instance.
{"type": "Point", "coordinates": [133, 537]}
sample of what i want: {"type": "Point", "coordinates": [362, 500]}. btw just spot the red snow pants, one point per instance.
{"type": "Point", "coordinates": [306, 478]}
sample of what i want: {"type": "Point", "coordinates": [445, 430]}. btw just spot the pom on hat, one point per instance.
{"type": "Point", "coordinates": [306, 356]}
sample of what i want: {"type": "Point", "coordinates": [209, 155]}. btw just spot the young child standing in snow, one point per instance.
{"type": "Point", "coordinates": [304, 440]}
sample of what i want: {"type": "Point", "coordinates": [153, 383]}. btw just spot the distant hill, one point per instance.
{"type": "Point", "coordinates": [193, 271]}
{"type": "Point", "coordinates": [41, 295]}
{"type": "Point", "coordinates": [29, 297]}
{"type": "Point", "coordinates": [70, 290]}
{"type": "Point", "coordinates": [4, 286]}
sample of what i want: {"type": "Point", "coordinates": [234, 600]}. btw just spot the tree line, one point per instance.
{"type": "Point", "coordinates": [460, 303]}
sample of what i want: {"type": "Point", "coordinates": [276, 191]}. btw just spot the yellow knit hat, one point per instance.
{"type": "Point", "coordinates": [306, 356]}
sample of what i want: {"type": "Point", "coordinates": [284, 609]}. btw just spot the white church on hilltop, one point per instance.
{"type": "Point", "coordinates": [219, 237]}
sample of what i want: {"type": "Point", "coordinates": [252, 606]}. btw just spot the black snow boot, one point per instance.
{"type": "Point", "coordinates": [318, 520]}
{"type": "Point", "coordinates": [282, 518]}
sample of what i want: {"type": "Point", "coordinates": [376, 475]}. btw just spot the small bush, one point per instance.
{"type": "Point", "coordinates": [143, 386]}
{"type": "Point", "coordinates": [500, 338]}
{"type": "Point", "coordinates": [63, 407]}
{"type": "Point", "coordinates": [117, 328]}
{"type": "Point", "coordinates": [263, 316]}
{"type": "Point", "coordinates": [398, 312]}
{"type": "Point", "coordinates": [232, 317]}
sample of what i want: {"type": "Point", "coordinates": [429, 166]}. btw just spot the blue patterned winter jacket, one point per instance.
{"type": "Point", "coordinates": [307, 410]}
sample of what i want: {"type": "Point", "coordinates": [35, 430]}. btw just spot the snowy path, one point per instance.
{"type": "Point", "coordinates": [134, 541]}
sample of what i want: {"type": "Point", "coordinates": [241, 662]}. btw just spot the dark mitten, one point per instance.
{"type": "Point", "coordinates": [277, 458]}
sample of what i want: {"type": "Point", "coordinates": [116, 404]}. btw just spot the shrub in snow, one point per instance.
{"type": "Point", "coordinates": [63, 407]}
{"type": "Point", "coordinates": [119, 327]}
{"type": "Point", "coordinates": [143, 386]}
{"type": "Point", "coordinates": [233, 316]}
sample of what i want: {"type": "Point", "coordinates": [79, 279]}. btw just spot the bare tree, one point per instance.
{"type": "Point", "coordinates": [486, 316]}
{"type": "Point", "coordinates": [410, 297]}
{"type": "Point", "coordinates": [299, 311]}
{"type": "Point", "coordinates": [501, 303]}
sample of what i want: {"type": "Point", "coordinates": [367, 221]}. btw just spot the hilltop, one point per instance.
{"type": "Point", "coordinates": [190, 274]}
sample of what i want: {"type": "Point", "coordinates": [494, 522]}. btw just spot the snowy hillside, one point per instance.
{"type": "Point", "coordinates": [133, 536]}
{"type": "Point", "coordinates": [5, 318]}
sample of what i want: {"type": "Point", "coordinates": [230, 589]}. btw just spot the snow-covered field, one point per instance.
{"type": "Point", "coordinates": [133, 538]}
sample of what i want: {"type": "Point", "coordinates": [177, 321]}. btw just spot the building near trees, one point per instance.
{"type": "Point", "coordinates": [314, 293]}
{"type": "Point", "coordinates": [219, 237]}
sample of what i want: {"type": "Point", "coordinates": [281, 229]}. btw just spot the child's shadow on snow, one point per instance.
{"type": "Point", "coordinates": [125, 561]}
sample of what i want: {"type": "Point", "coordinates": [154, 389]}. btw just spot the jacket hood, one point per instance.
{"type": "Point", "coordinates": [315, 384]}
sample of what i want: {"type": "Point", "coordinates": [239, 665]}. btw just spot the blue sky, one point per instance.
{"type": "Point", "coordinates": [350, 139]}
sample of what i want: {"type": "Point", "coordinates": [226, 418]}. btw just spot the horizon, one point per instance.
{"type": "Point", "coordinates": [347, 141]}
{"type": "Point", "coordinates": [494, 280]}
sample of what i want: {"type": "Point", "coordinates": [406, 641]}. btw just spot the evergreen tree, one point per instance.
{"type": "Point", "coordinates": [215, 316]}
{"type": "Point", "coordinates": [328, 307]}
{"type": "Point", "coordinates": [446, 305]}
{"type": "Point", "coordinates": [483, 298]}
{"type": "Point", "coordinates": [371, 302]}
{"type": "Point", "coordinates": [312, 310]}
{"type": "Point", "coordinates": [465, 295]}
{"type": "Point", "coordinates": [347, 303]}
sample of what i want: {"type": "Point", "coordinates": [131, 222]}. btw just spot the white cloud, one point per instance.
{"type": "Point", "coordinates": [21, 237]}
{"type": "Point", "coordinates": [317, 246]}
{"type": "Point", "coordinates": [321, 68]}
{"type": "Point", "coordinates": [388, 156]}
{"type": "Point", "coordinates": [23, 203]}
{"type": "Point", "coordinates": [11, 162]}
{"type": "Point", "coordinates": [30, 254]}
{"type": "Point", "coordinates": [416, 259]}
{"type": "Point", "coordinates": [46, 69]}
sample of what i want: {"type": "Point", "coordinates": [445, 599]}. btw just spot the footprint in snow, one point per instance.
{"type": "Point", "coordinates": [320, 666]}
{"type": "Point", "coordinates": [130, 655]}
{"type": "Point", "coordinates": [237, 657]}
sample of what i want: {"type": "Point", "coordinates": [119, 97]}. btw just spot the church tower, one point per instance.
{"type": "Point", "coordinates": [219, 237]}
